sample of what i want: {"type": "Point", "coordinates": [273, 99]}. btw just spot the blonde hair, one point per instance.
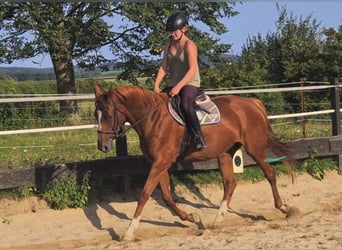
{"type": "Point", "coordinates": [185, 28]}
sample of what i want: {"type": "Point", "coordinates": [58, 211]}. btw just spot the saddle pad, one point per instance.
{"type": "Point", "coordinates": [204, 118]}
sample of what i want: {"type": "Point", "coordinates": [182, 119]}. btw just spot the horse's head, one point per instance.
{"type": "Point", "coordinates": [109, 121]}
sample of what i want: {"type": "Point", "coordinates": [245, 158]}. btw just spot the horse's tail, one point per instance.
{"type": "Point", "coordinates": [275, 145]}
{"type": "Point", "coordinates": [281, 149]}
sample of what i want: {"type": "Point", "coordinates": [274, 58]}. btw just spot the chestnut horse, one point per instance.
{"type": "Point", "coordinates": [243, 122]}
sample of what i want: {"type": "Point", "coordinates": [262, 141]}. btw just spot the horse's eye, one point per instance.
{"type": "Point", "coordinates": [108, 117]}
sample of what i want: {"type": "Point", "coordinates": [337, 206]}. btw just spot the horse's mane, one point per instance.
{"type": "Point", "coordinates": [139, 96]}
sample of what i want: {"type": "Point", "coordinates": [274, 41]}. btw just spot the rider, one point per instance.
{"type": "Point", "coordinates": [180, 59]}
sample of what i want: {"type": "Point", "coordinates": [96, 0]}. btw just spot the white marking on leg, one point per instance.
{"type": "Point", "coordinates": [284, 208]}
{"type": "Point", "coordinates": [129, 235]}
{"type": "Point", "coordinates": [220, 213]}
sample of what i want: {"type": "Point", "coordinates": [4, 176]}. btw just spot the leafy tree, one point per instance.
{"type": "Point", "coordinates": [299, 46]}
{"type": "Point", "coordinates": [294, 51]}
{"type": "Point", "coordinates": [75, 32]}
{"type": "Point", "coordinates": [288, 54]}
{"type": "Point", "coordinates": [332, 52]}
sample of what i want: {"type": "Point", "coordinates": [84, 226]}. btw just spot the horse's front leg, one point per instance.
{"type": "Point", "coordinates": [158, 169]}
{"type": "Point", "coordinates": [150, 185]}
{"type": "Point", "coordinates": [229, 184]}
{"type": "Point", "coordinates": [167, 197]}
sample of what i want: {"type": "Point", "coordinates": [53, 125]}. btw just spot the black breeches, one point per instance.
{"type": "Point", "coordinates": [187, 98]}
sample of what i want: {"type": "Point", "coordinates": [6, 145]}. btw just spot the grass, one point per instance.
{"type": "Point", "coordinates": [286, 131]}
{"type": "Point", "coordinates": [41, 149]}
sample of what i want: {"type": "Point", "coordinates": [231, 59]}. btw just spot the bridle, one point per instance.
{"type": "Point", "coordinates": [118, 131]}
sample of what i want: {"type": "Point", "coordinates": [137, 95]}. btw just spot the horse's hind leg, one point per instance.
{"type": "Point", "coordinates": [229, 184]}
{"type": "Point", "coordinates": [270, 175]}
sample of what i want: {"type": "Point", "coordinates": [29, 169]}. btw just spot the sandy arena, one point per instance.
{"type": "Point", "coordinates": [252, 222]}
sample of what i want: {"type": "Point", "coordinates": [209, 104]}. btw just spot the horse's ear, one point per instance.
{"type": "Point", "coordinates": [97, 90]}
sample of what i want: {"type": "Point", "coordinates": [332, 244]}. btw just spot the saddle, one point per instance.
{"type": "Point", "coordinates": [206, 111]}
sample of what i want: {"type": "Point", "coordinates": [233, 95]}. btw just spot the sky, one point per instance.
{"type": "Point", "coordinates": [255, 17]}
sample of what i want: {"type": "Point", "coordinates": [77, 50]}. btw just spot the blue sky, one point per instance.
{"type": "Point", "coordinates": [255, 17]}
{"type": "Point", "coordinates": [260, 17]}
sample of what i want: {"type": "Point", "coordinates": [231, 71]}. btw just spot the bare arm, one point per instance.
{"type": "Point", "coordinates": [162, 70]}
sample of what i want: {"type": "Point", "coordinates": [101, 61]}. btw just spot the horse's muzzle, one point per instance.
{"type": "Point", "coordinates": [105, 147]}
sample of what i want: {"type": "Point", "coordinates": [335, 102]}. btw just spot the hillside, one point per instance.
{"type": "Point", "coordinates": [41, 74]}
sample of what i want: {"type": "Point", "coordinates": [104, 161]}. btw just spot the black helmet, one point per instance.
{"type": "Point", "coordinates": [175, 22]}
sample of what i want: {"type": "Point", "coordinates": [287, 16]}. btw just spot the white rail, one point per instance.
{"type": "Point", "coordinates": [40, 130]}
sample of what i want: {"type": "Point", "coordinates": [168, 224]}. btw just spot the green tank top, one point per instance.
{"type": "Point", "coordinates": [178, 66]}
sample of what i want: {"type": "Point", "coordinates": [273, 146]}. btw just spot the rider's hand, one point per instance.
{"type": "Point", "coordinates": [157, 89]}
{"type": "Point", "coordinates": [174, 91]}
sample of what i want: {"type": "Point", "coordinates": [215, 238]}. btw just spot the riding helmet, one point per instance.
{"type": "Point", "coordinates": [175, 22]}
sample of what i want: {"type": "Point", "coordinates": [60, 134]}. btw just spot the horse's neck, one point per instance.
{"type": "Point", "coordinates": [141, 113]}
{"type": "Point", "coordinates": [140, 109]}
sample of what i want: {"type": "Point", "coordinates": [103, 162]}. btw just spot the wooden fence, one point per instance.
{"type": "Point", "coordinates": [124, 165]}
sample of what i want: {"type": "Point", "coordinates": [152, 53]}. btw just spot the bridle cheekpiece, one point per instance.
{"type": "Point", "coordinates": [117, 130]}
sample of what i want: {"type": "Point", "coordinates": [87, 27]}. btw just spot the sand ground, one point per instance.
{"type": "Point", "coordinates": [252, 222]}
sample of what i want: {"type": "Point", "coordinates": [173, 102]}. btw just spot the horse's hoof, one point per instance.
{"type": "Point", "coordinates": [198, 221]}
{"type": "Point", "coordinates": [218, 220]}
{"type": "Point", "coordinates": [293, 212]}
{"type": "Point", "coordinates": [127, 238]}
{"type": "Point", "coordinates": [285, 209]}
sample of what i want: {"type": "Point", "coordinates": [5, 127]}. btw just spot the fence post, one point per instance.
{"type": "Point", "coordinates": [335, 104]}
{"type": "Point", "coordinates": [302, 81]}
{"type": "Point", "coordinates": [121, 145]}
{"type": "Point", "coordinates": [121, 150]}
{"type": "Point", "coordinates": [336, 116]}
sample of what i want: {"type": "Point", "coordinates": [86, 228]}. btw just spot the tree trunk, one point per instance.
{"type": "Point", "coordinates": [65, 77]}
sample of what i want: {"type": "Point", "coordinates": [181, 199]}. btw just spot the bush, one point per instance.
{"type": "Point", "coordinates": [67, 192]}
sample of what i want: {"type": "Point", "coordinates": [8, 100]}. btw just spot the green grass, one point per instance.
{"type": "Point", "coordinates": [286, 131]}
{"type": "Point", "coordinates": [41, 149]}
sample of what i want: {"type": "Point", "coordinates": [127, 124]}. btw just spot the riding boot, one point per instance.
{"type": "Point", "coordinates": [194, 124]}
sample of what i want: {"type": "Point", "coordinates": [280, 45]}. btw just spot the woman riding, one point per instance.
{"type": "Point", "coordinates": [180, 59]}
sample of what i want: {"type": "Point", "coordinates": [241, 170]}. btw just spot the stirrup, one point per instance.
{"type": "Point", "coordinates": [200, 143]}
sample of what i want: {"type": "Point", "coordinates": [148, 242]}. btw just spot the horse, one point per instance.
{"type": "Point", "coordinates": [243, 122]}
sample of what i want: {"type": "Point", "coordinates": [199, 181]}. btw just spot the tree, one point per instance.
{"type": "Point", "coordinates": [332, 52]}
{"type": "Point", "coordinates": [75, 32]}
{"type": "Point", "coordinates": [289, 53]}
{"type": "Point", "coordinates": [292, 52]}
